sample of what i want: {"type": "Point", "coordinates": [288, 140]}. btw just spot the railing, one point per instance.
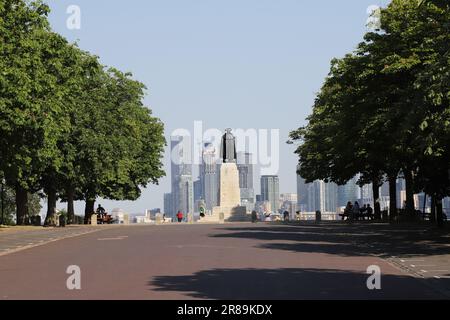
{"type": "Point", "coordinates": [326, 216]}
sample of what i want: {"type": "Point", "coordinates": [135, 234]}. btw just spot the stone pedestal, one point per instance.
{"type": "Point", "coordinates": [230, 194]}
{"type": "Point", "coordinates": [230, 208]}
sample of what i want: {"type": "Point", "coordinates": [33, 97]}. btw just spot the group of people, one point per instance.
{"type": "Point", "coordinates": [355, 212]}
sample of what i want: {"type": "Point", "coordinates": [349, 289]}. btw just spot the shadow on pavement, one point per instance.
{"type": "Point", "coordinates": [346, 240]}
{"type": "Point", "coordinates": [290, 284]}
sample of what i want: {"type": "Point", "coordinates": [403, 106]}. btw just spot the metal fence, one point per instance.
{"type": "Point", "coordinates": [326, 216]}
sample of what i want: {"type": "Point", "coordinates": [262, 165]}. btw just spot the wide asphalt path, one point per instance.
{"type": "Point", "coordinates": [230, 261]}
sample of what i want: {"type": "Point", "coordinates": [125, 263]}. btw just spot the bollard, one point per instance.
{"type": "Point", "coordinates": [94, 220]}
{"type": "Point", "coordinates": [318, 216]}
{"type": "Point", "coordinates": [62, 221]}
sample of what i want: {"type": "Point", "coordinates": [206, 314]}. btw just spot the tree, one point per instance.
{"type": "Point", "coordinates": [422, 31]}
{"type": "Point", "coordinates": [129, 147]}
{"type": "Point", "coordinates": [30, 109]}
{"type": "Point", "coordinates": [379, 114]}
{"type": "Point", "coordinates": [9, 205]}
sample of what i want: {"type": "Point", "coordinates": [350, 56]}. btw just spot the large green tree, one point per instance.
{"type": "Point", "coordinates": [384, 108]}
{"type": "Point", "coordinates": [31, 108]}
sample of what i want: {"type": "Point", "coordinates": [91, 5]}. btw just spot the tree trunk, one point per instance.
{"type": "Point", "coordinates": [376, 198]}
{"type": "Point", "coordinates": [22, 206]}
{"type": "Point", "coordinates": [51, 208]}
{"type": "Point", "coordinates": [70, 206]}
{"type": "Point", "coordinates": [410, 209]}
{"type": "Point", "coordinates": [393, 197]}
{"type": "Point", "coordinates": [439, 213]}
{"type": "Point", "coordinates": [88, 210]}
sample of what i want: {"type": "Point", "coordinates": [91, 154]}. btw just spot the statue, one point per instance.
{"type": "Point", "coordinates": [228, 147]}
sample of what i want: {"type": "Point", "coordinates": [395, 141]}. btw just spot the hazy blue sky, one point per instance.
{"type": "Point", "coordinates": [229, 63]}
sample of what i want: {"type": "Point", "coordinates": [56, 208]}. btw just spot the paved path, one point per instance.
{"type": "Point", "coordinates": [17, 239]}
{"type": "Point", "coordinates": [233, 261]}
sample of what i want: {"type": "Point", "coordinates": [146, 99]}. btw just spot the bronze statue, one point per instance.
{"type": "Point", "coordinates": [228, 147]}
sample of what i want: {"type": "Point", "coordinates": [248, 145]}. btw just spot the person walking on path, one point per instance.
{"type": "Point", "coordinates": [254, 216]}
{"type": "Point", "coordinates": [180, 216]}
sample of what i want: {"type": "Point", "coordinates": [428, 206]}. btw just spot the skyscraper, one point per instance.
{"type": "Point", "coordinates": [198, 190]}
{"type": "Point", "coordinates": [270, 191]}
{"type": "Point", "coordinates": [168, 204]}
{"type": "Point", "coordinates": [322, 196]}
{"type": "Point", "coordinates": [181, 175]}
{"type": "Point", "coordinates": [349, 192]}
{"type": "Point", "coordinates": [209, 176]}
{"type": "Point", "coordinates": [186, 194]}
{"type": "Point", "coordinates": [245, 168]}
{"type": "Point", "coordinates": [401, 192]}
{"type": "Point", "coordinates": [289, 203]}
{"type": "Point", "coordinates": [302, 193]}
{"type": "Point", "coordinates": [330, 195]}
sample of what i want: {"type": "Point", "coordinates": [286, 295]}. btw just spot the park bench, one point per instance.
{"type": "Point", "coordinates": [106, 219]}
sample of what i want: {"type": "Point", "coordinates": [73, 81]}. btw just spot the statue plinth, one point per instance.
{"type": "Point", "coordinates": [230, 195]}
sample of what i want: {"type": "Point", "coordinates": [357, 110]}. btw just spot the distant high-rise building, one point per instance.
{"type": "Point", "coordinates": [331, 197]}
{"type": "Point", "coordinates": [186, 194]}
{"type": "Point", "coordinates": [245, 168]}
{"type": "Point", "coordinates": [270, 191]}
{"type": "Point", "coordinates": [181, 156]}
{"type": "Point", "coordinates": [401, 192]}
{"type": "Point", "coordinates": [289, 203]}
{"type": "Point", "coordinates": [198, 190]}
{"type": "Point", "coordinates": [209, 176]}
{"type": "Point", "coordinates": [367, 194]}
{"type": "Point", "coordinates": [384, 190]}
{"type": "Point", "coordinates": [288, 197]}
{"type": "Point", "coordinates": [168, 204]}
{"type": "Point", "coordinates": [302, 193]}
{"type": "Point", "coordinates": [181, 175]}
{"type": "Point", "coordinates": [151, 214]}
{"type": "Point", "coordinates": [322, 196]}
{"type": "Point", "coordinates": [446, 206]}
{"type": "Point", "coordinates": [349, 192]}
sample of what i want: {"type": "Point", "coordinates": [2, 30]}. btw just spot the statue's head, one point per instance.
{"type": "Point", "coordinates": [228, 134]}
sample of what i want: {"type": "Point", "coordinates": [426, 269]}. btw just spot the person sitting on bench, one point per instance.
{"type": "Point", "coordinates": [369, 213]}
{"type": "Point", "coordinates": [347, 211]}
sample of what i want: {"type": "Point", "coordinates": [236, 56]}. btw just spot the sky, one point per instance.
{"type": "Point", "coordinates": [248, 64]}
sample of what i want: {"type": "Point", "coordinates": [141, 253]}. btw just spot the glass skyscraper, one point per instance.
{"type": "Point", "coordinates": [270, 191]}
{"type": "Point", "coordinates": [209, 176]}
{"type": "Point", "coordinates": [181, 175]}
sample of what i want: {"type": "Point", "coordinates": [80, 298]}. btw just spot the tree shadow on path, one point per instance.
{"type": "Point", "coordinates": [346, 240]}
{"type": "Point", "coordinates": [290, 284]}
